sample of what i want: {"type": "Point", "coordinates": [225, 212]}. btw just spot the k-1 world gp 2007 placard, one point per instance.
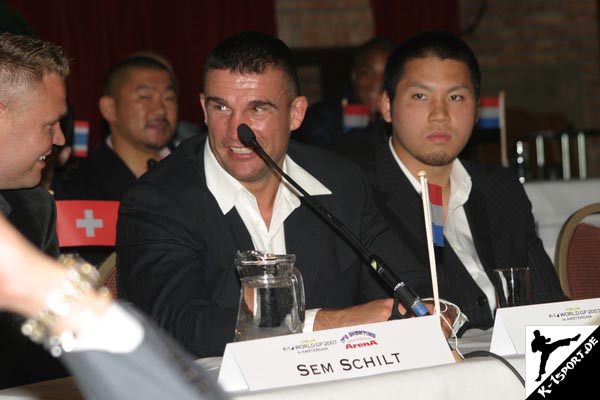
{"type": "Point", "coordinates": [334, 354]}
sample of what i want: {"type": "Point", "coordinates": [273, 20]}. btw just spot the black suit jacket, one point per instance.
{"type": "Point", "coordinates": [176, 250]}
{"type": "Point", "coordinates": [33, 213]}
{"type": "Point", "coordinates": [501, 223]}
{"type": "Point", "coordinates": [102, 176]}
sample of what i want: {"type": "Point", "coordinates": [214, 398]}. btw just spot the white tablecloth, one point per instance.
{"type": "Point", "coordinates": [554, 201]}
{"type": "Point", "coordinates": [477, 378]}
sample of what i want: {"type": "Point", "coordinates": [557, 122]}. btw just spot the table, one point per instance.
{"type": "Point", "coordinates": [554, 201]}
{"type": "Point", "coordinates": [474, 378]}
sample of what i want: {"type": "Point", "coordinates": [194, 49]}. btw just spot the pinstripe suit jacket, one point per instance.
{"type": "Point", "coordinates": [33, 213]}
{"type": "Point", "coordinates": [502, 225]}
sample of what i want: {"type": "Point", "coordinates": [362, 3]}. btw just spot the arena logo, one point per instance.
{"type": "Point", "coordinates": [355, 339]}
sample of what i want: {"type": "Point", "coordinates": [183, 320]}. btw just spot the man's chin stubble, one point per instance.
{"type": "Point", "coordinates": [436, 159]}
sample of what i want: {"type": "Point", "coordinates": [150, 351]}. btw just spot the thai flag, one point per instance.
{"type": "Point", "coordinates": [437, 213]}
{"type": "Point", "coordinates": [489, 113]}
{"type": "Point", "coordinates": [355, 116]}
{"type": "Point", "coordinates": [80, 140]}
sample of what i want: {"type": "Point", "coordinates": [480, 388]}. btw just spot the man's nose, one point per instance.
{"type": "Point", "coordinates": [439, 110]}
{"type": "Point", "coordinates": [236, 120]}
{"type": "Point", "coordinates": [58, 138]}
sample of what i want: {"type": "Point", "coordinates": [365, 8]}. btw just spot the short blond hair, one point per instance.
{"type": "Point", "coordinates": [24, 60]}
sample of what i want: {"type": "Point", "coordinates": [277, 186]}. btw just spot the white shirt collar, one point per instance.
{"type": "Point", "coordinates": [460, 184]}
{"type": "Point", "coordinates": [226, 189]}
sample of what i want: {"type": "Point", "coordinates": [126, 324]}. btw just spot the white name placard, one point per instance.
{"type": "Point", "coordinates": [509, 326]}
{"type": "Point", "coordinates": [334, 354]}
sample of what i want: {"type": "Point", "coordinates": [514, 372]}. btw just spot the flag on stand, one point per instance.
{"type": "Point", "coordinates": [355, 116]}
{"type": "Point", "coordinates": [489, 113]}
{"type": "Point", "coordinates": [437, 213]}
{"type": "Point", "coordinates": [81, 131]}
{"type": "Point", "coordinates": [86, 222]}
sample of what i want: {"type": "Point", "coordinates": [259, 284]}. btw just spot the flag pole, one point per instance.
{"type": "Point", "coordinates": [429, 235]}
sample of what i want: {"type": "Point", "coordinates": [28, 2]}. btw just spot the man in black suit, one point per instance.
{"type": "Point", "coordinates": [181, 224]}
{"type": "Point", "coordinates": [324, 123]}
{"type": "Point", "coordinates": [139, 103]}
{"type": "Point", "coordinates": [431, 97]}
{"type": "Point", "coordinates": [32, 102]}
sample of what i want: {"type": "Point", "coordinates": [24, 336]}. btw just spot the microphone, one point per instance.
{"type": "Point", "coordinates": [402, 293]}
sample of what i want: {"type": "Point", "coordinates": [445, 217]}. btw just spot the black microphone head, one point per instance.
{"type": "Point", "coordinates": [247, 137]}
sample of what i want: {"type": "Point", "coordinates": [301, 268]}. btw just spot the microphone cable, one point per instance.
{"type": "Point", "coordinates": [483, 353]}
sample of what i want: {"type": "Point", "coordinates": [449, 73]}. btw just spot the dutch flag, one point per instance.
{"type": "Point", "coordinates": [437, 213]}
{"type": "Point", "coordinates": [489, 113]}
{"type": "Point", "coordinates": [355, 116]}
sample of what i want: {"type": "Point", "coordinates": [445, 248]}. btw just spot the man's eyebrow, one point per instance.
{"type": "Point", "coordinates": [421, 85]}
{"type": "Point", "coordinates": [262, 103]}
{"type": "Point", "coordinates": [56, 120]}
{"type": "Point", "coordinates": [143, 86]}
{"type": "Point", "coordinates": [458, 87]}
{"type": "Point", "coordinates": [213, 99]}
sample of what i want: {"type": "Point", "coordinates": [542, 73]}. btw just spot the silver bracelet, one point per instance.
{"type": "Point", "coordinates": [82, 278]}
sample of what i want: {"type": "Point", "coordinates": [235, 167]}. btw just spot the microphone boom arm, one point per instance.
{"type": "Point", "coordinates": [402, 293]}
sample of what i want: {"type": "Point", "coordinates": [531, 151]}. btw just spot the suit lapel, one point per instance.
{"type": "Point", "coordinates": [304, 240]}
{"type": "Point", "coordinates": [407, 212]}
{"type": "Point", "coordinates": [237, 228]}
{"type": "Point", "coordinates": [476, 211]}
{"type": "Point", "coordinates": [401, 203]}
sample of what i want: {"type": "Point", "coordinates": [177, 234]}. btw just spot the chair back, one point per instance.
{"type": "Point", "coordinates": [577, 255]}
{"type": "Point", "coordinates": [108, 274]}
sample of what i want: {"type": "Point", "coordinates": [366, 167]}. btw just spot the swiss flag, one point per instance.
{"type": "Point", "coordinates": [86, 222]}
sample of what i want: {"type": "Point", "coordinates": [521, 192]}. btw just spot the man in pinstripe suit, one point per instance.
{"type": "Point", "coordinates": [432, 86]}
{"type": "Point", "coordinates": [32, 102]}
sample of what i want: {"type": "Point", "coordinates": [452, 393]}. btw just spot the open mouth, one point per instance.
{"type": "Point", "coordinates": [241, 150]}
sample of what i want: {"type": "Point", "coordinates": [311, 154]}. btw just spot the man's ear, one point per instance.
{"type": "Point", "coordinates": [386, 107]}
{"type": "Point", "coordinates": [3, 117]}
{"type": "Point", "coordinates": [297, 111]}
{"type": "Point", "coordinates": [203, 105]}
{"type": "Point", "coordinates": [108, 108]}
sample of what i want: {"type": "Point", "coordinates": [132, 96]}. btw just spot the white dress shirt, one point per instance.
{"type": "Point", "coordinates": [229, 193]}
{"type": "Point", "coordinates": [456, 227]}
